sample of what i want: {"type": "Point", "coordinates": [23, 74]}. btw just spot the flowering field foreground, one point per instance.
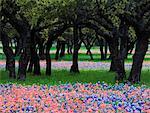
{"type": "Point", "coordinates": [76, 98]}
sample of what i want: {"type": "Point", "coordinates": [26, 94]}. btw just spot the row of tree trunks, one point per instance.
{"type": "Point", "coordinates": [10, 57]}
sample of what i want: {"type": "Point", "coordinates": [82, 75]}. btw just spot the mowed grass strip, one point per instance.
{"type": "Point", "coordinates": [63, 77]}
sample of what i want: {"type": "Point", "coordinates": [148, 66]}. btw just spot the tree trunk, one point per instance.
{"type": "Point", "coordinates": [140, 52]}
{"type": "Point", "coordinates": [36, 64]}
{"type": "Point", "coordinates": [102, 52]}
{"type": "Point", "coordinates": [90, 53]}
{"type": "Point", "coordinates": [48, 57]}
{"type": "Point", "coordinates": [105, 55]}
{"type": "Point", "coordinates": [58, 47]}
{"type": "Point", "coordinates": [74, 67]}
{"type": "Point", "coordinates": [25, 55]}
{"type": "Point", "coordinates": [69, 46]}
{"type": "Point", "coordinates": [31, 64]}
{"type": "Point", "coordinates": [112, 65]}
{"type": "Point", "coordinates": [116, 64]}
{"type": "Point", "coordinates": [23, 63]}
{"type": "Point", "coordinates": [101, 48]}
{"type": "Point", "coordinates": [62, 53]}
{"type": "Point", "coordinates": [10, 57]}
{"type": "Point", "coordinates": [7, 63]}
{"type": "Point", "coordinates": [35, 60]}
{"type": "Point", "coordinates": [30, 68]}
{"type": "Point", "coordinates": [123, 43]}
{"type": "Point", "coordinates": [88, 48]}
{"type": "Point", "coordinates": [41, 50]}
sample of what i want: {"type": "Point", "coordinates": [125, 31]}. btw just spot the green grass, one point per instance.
{"type": "Point", "coordinates": [84, 57]}
{"type": "Point", "coordinates": [63, 76]}
{"type": "Point", "coordinates": [97, 57]}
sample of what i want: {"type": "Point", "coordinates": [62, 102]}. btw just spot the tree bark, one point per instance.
{"type": "Point", "coordinates": [58, 47]}
{"type": "Point", "coordinates": [90, 53]}
{"type": "Point", "coordinates": [31, 64]}
{"type": "Point", "coordinates": [41, 49]}
{"type": "Point", "coordinates": [62, 53]}
{"type": "Point", "coordinates": [7, 63]}
{"type": "Point", "coordinates": [25, 55]}
{"type": "Point", "coordinates": [112, 65]}
{"type": "Point", "coordinates": [48, 57]}
{"type": "Point", "coordinates": [35, 60]}
{"type": "Point", "coordinates": [36, 64]}
{"type": "Point", "coordinates": [124, 37]}
{"type": "Point", "coordinates": [101, 49]}
{"type": "Point", "coordinates": [116, 63]}
{"type": "Point", "coordinates": [140, 52]}
{"type": "Point", "coordinates": [23, 63]}
{"type": "Point", "coordinates": [10, 57]}
{"type": "Point", "coordinates": [105, 55]}
{"type": "Point", "coordinates": [74, 67]}
{"type": "Point", "coordinates": [88, 48]}
{"type": "Point", "coordinates": [101, 44]}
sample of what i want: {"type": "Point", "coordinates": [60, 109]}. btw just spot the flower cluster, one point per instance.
{"type": "Point", "coordinates": [74, 98]}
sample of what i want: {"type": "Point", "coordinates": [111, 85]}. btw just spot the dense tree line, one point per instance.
{"type": "Point", "coordinates": [117, 23]}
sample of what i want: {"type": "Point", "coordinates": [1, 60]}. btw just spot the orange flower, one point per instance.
{"type": "Point", "coordinates": [103, 105]}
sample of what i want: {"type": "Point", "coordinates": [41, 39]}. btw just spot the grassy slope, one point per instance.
{"type": "Point", "coordinates": [66, 77]}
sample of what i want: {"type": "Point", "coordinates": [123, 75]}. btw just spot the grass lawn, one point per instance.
{"type": "Point", "coordinates": [84, 57]}
{"type": "Point", "coordinates": [63, 76]}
